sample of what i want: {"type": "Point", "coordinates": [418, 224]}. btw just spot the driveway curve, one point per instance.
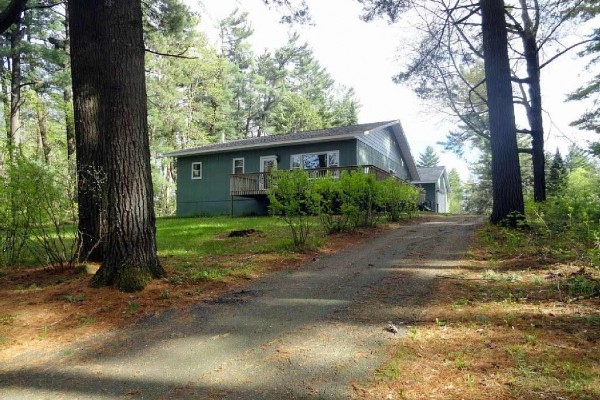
{"type": "Point", "coordinates": [317, 332]}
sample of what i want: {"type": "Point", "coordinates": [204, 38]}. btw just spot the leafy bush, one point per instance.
{"type": "Point", "coordinates": [332, 197]}
{"type": "Point", "coordinates": [395, 198]}
{"type": "Point", "coordinates": [37, 215]}
{"type": "Point", "coordinates": [343, 202]}
{"type": "Point", "coordinates": [294, 199]}
{"type": "Point", "coordinates": [359, 198]}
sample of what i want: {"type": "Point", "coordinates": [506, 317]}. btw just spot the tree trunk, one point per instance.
{"type": "Point", "coordinates": [121, 91]}
{"type": "Point", "coordinates": [534, 115]}
{"type": "Point", "coordinates": [506, 176]}
{"type": "Point", "coordinates": [43, 128]}
{"type": "Point", "coordinates": [5, 87]}
{"type": "Point", "coordinates": [68, 95]}
{"type": "Point", "coordinates": [534, 110]}
{"type": "Point", "coordinates": [15, 90]}
{"type": "Point", "coordinates": [86, 48]}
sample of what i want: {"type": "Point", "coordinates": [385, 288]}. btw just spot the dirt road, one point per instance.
{"type": "Point", "coordinates": [316, 332]}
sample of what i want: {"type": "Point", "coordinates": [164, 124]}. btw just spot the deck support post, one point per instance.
{"type": "Point", "coordinates": [231, 210]}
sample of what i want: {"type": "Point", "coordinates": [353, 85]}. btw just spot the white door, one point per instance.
{"type": "Point", "coordinates": [267, 164]}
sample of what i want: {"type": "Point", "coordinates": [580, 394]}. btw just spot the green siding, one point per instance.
{"type": "Point", "coordinates": [210, 195]}
{"type": "Point", "coordinates": [379, 148]}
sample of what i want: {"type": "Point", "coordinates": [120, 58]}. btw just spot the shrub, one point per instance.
{"type": "Point", "coordinates": [332, 198]}
{"type": "Point", "coordinates": [395, 198]}
{"type": "Point", "coordinates": [37, 215]}
{"type": "Point", "coordinates": [359, 195]}
{"type": "Point", "coordinates": [294, 199]}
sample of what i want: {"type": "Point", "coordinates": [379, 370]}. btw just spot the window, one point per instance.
{"type": "Point", "coordinates": [315, 160]}
{"type": "Point", "coordinates": [197, 170]}
{"type": "Point", "coordinates": [238, 165]}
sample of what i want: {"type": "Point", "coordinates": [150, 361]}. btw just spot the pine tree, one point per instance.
{"type": "Point", "coordinates": [456, 196]}
{"type": "Point", "coordinates": [428, 158]}
{"type": "Point", "coordinates": [558, 175]}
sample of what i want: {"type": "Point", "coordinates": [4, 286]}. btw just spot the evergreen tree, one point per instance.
{"type": "Point", "coordinates": [455, 200]}
{"type": "Point", "coordinates": [428, 158]}
{"type": "Point", "coordinates": [558, 175]}
{"type": "Point", "coordinates": [578, 158]}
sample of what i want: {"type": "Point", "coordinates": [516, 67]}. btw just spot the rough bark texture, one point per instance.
{"type": "Point", "coordinates": [91, 176]}
{"type": "Point", "coordinates": [534, 109]}
{"type": "Point", "coordinates": [68, 96]}
{"type": "Point", "coordinates": [15, 89]}
{"type": "Point", "coordinates": [506, 175]}
{"type": "Point", "coordinates": [130, 259]}
{"type": "Point", "coordinates": [11, 14]}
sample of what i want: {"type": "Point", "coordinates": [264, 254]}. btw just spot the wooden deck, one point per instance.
{"type": "Point", "coordinates": [258, 183]}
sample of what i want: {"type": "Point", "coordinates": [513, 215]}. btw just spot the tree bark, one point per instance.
{"type": "Point", "coordinates": [68, 95]}
{"type": "Point", "coordinates": [506, 175]}
{"type": "Point", "coordinates": [43, 128]}
{"type": "Point", "coordinates": [85, 48]}
{"type": "Point", "coordinates": [122, 105]}
{"type": "Point", "coordinates": [534, 110]}
{"type": "Point", "coordinates": [16, 36]}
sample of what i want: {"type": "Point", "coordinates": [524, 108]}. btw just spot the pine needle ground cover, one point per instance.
{"type": "Point", "coordinates": [520, 320]}
{"type": "Point", "coordinates": [47, 309]}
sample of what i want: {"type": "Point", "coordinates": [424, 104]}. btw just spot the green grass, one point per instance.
{"type": "Point", "coordinates": [199, 249]}
{"type": "Point", "coordinates": [189, 238]}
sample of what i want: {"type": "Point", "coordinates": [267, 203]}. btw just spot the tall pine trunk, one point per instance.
{"type": "Point", "coordinates": [86, 49]}
{"type": "Point", "coordinates": [130, 259]}
{"type": "Point", "coordinates": [506, 175]}
{"type": "Point", "coordinates": [68, 94]}
{"type": "Point", "coordinates": [42, 121]}
{"type": "Point", "coordinates": [16, 35]}
{"type": "Point", "coordinates": [534, 109]}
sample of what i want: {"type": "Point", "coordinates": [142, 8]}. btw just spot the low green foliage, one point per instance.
{"type": "Point", "coordinates": [581, 285]}
{"type": "Point", "coordinates": [210, 274]}
{"type": "Point", "coordinates": [37, 212]}
{"type": "Point", "coordinates": [343, 202]}
{"type": "Point", "coordinates": [74, 298]}
{"type": "Point", "coordinates": [6, 319]}
{"type": "Point", "coordinates": [295, 200]}
{"type": "Point", "coordinates": [133, 308]}
{"type": "Point", "coordinates": [87, 320]}
{"type": "Point", "coordinates": [396, 199]}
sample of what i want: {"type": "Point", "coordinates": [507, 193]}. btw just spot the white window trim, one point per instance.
{"type": "Point", "coordinates": [272, 157]}
{"type": "Point", "coordinates": [243, 165]}
{"type": "Point", "coordinates": [201, 168]}
{"type": "Point", "coordinates": [315, 153]}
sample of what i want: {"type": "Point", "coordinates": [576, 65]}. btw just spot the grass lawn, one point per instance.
{"type": "Point", "coordinates": [521, 320]}
{"type": "Point", "coordinates": [43, 308]}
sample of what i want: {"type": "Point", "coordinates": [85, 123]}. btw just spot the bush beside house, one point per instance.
{"type": "Point", "coordinates": [343, 203]}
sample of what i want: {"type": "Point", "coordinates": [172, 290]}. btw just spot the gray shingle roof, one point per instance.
{"type": "Point", "coordinates": [272, 140]}
{"type": "Point", "coordinates": [430, 174]}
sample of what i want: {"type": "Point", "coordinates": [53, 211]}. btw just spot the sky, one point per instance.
{"type": "Point", "coordinates": [365, 56]}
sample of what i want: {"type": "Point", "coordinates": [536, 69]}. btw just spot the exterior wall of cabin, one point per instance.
{"type": "Point", "coordinates": [379, 148]}
{"type": "Point", "coordinates": [210, 194]}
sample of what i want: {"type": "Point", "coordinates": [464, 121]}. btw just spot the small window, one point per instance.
{"type": "Point", "coordinates": [197, 170]}
{"type": "Point", "coordinates": [333, 159]}
{"type": "Point", "coordinates": [238, 165]}
{"type": "Point", "coordinates": [296, 161]}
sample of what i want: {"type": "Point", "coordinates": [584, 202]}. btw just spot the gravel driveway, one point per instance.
{"type": "Point", "coordinates": [317, 332]}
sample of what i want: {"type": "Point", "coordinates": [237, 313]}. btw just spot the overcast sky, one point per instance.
{"type": "Point", "coordinates": [366, 55]}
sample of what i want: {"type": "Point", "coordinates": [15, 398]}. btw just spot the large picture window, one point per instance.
{"type": "Point", "coordinates": [197, 170]}
{"type": "Point", "coordinates": [315, 160]}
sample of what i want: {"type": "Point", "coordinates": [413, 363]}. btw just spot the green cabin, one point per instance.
{"type": "Point", "coordinates": [233, 177]}
{"type": "Point", "coordinates": [434, 180]}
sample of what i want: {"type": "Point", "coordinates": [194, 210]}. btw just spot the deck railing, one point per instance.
{"type": "Point", "coordinates": [258, 183]}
